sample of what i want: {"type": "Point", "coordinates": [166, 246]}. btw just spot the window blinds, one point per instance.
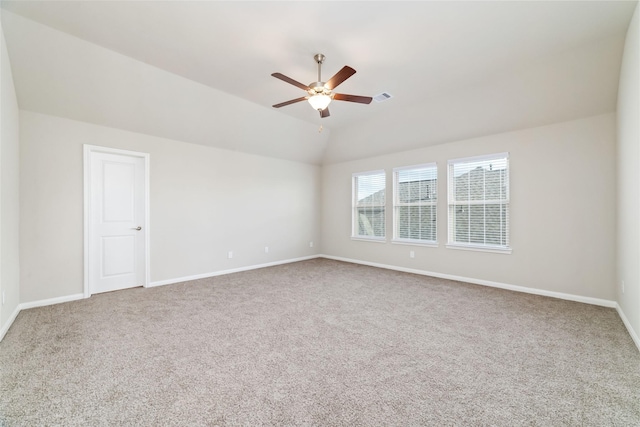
{"type": "Point", "coordinates": [415, 203]}
{"type": "Point", "coordinates": [369, 217]}
{"type": "Point", "coordinates": [479, 201]}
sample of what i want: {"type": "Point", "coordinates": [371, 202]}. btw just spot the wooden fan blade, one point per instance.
{"type": "Point", "coordinates": [353, 98]}
{"type": "Point", "coordinates": [292, 101]}
{"type": "Point", "coordinates": [340, 76]}
{"type": "Point", "coordinates": [290, 81]}
{"type": "Point", "coordinates": [324, 113]}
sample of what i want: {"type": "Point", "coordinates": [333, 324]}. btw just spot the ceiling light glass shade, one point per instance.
{"type": "Point", "coordinates": [319, 101]}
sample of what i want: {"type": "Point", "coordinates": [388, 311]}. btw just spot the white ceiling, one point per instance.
{"type": "Point", "coordinates": [461, 69]}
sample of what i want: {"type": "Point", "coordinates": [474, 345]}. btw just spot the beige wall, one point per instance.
{"type": "Point", "coordinates": [9, 193]}
{"type": "Point", "coordinates": [562, 210]}
{"type": "Point", "coordinates": [629, 179]}
{"type": "Point", "coordinates": [204, 203]}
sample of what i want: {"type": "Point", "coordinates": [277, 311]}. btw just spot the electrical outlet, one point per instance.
{"type": "Point", "coordinates": [266, 249]}
{"type": "Point", "coordinates": [412, 254]}
{"type": "Point", "coordinates": [230, 254]}
{"type": "Point", "coordinates": [310, 244]}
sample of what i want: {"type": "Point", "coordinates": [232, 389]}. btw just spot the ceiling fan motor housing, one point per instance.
{"type": "Point", "coordinates": [316, 88]}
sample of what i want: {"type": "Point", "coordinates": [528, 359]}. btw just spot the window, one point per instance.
{"type": "Point", "coordinates": [414, 204]}
{"type": "Point", "coordinates": [369, 205]}
{"type": "Point", "coordinates": [479, 202]}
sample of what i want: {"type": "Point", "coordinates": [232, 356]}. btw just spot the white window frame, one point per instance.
{"type": "Point", "coordinates": [355, 206]}
{"type": "Point", "coordinates": [452, 204]}
{"type": "Point", "coordinates": [397, 204]}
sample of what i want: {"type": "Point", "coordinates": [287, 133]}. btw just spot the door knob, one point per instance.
{"type": "Point", "coordinates": [137, 228]}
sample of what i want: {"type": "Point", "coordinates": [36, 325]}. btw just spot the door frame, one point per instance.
{"type": "Point", "coordinates": [88, 150]}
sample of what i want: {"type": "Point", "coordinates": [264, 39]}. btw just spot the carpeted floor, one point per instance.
{"type": "Point", "coordinates": [319, 342]}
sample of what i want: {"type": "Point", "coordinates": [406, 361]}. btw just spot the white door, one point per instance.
{"type": "Point", "coordinates": [116, 222]}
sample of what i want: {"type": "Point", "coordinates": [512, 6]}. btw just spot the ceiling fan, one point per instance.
{"type": "Point", "coordinates": [321, 93]}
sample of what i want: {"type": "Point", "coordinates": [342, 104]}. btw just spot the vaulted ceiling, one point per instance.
{"type": "Point", "coordinates": [200, 71]}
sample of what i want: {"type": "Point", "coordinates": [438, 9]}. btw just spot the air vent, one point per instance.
{"type": "Point", "coordinates": [382, 97]}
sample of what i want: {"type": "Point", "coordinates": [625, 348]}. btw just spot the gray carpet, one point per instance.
{"type": "Point", "coordinates": [319, 342]}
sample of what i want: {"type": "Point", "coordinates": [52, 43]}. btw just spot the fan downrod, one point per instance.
{"type": "Point", "coordinates": [319, 60]}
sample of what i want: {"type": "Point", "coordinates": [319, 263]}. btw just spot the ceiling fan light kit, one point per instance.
{"type": "Point", "coordinates": [320, 93]}
{"type": "Point", "coordinates": [319, 101]}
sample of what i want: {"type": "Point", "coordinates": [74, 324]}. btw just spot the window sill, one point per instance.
{"type": "Point", "coordinates": [370, 239]}
{"type": "Point", "coordinates": [495, 250]}
{"type": "Point", "coordinates": [414, 243]}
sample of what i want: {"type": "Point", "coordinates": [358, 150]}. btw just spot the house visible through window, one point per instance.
{"type": "Point", "coordinates": [415, 204]}
{"type": "Point", "coordinates": [369, 205]}
{"type": "Point", "coordinates": [479, 202]}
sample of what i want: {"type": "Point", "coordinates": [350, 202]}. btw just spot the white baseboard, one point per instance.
{"type": "Point", "coordinates": [559, 295]}
{"type": "Point", "coordinates": [10, 320]}
{"type": "Point", "coordinates": [51, 301]}
{"type": "Point", "coordinates": [33, 304]}
{"type": "Point", "coordinates": [75, 297]}
{"type": "Point", "coordinates": [223, 272]}
{"type": "Point", "coordinates": [627, 324]}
